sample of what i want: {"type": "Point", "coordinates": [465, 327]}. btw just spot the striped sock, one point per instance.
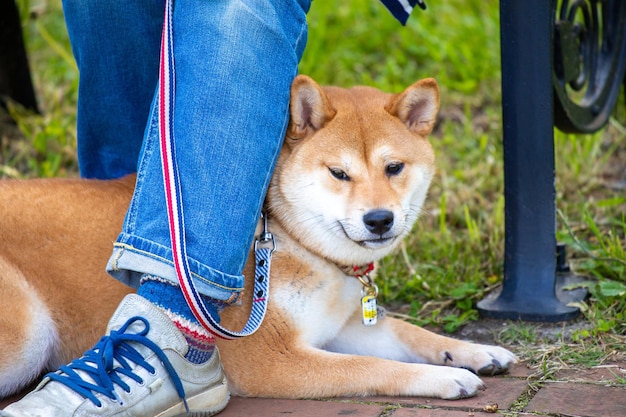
{"type": "Point", "coordinates": [168, 296]}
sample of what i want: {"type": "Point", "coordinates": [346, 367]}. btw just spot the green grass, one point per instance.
{"type": "Point", "coordinates": [455, 255]}
{"type": "Point", "coordinates": [49, 140]}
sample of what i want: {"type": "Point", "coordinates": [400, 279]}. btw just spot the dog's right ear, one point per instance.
{"type": "Point", "coordinates": [310, 109]}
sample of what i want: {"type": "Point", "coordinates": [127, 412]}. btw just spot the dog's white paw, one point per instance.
{"type": "Point", "coordinates": [447, 383]}
{"type": "Point", "coordinates": [481, 359]}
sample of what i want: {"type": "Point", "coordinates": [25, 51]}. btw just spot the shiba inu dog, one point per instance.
{"type": "Point", "coordinates": [349, 185]}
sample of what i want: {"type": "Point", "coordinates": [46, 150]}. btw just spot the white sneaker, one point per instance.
{"type": "Point", "coordinates": [138, 369]}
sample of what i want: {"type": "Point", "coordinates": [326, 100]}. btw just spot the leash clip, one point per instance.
{"type": "Point", "coordinates": [266, 237]}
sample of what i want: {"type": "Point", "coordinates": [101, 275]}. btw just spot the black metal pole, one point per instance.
{"type": "Point", "coordinates": [529, 287]}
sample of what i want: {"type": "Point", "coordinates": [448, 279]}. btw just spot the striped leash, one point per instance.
{"type": "Point", "coordinates": [264, 245]}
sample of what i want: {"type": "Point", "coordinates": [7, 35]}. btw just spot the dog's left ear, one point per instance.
{"type": "Point", "coordinates": [417, 106]}
{"type": "Point", "coordinates": [309, 108]}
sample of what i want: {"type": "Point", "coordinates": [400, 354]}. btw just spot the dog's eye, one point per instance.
{"type": "Point", "coordinates": [394, 168]}
{"type": "Point", "coordinates": [339, 174]}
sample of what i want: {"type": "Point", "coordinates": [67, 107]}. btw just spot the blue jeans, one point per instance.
{"type": "Point", "coordinates": [235, 61]}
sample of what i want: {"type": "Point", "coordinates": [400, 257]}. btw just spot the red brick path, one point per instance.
{"type": "Point", "coordinates": [598, 392]}
{"type": "Point", "coordinates": [573, 393]}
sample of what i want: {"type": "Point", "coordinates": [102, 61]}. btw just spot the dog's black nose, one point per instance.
{"type": "Point", "coordinates": [378, 221]}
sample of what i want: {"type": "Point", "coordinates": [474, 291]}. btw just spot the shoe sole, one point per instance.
{"type": "Point", "coordinates": [205, 404]}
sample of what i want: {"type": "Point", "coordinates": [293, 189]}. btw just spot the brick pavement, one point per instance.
{"type": "Point", "coordinates": [585, 393]}
{"type": "Point", "coordinates": [597, 392]}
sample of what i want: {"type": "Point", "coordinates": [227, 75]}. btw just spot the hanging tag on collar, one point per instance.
{"type": "Point", "coordinates": [369, 292]}
{"type": "Point", "coordinates": [368, 305]}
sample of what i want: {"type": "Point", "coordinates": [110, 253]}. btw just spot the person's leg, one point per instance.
{"type": "Point", "coordinates": [235, 61]}
{"type": "Point", "coordinates": [231, 114]}
{"type": "Point", "coordinates": [228, 134]}
{"type": "Point", "coordinates": [116, 46]}
{"type": "Point", "coordinates": [118, 72]}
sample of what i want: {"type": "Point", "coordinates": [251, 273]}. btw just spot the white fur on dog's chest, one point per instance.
{"type": "Point", "coordinates": [320, 307]}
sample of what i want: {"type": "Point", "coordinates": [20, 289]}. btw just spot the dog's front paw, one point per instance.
{"type": "Point", "coordinates": [447, 383]}
{"type": "Point", "coordinates": [501, 361]}
{"type": "Point", "coordinates": [481, 359]}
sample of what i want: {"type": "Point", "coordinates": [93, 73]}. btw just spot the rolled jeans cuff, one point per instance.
{"type": "Point", "coordinates": [133, 256]}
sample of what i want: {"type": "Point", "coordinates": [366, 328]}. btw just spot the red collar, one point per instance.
{"type": "Point", "coordinates": [357, 270]}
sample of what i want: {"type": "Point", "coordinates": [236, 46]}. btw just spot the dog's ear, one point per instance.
{"type": "Point", "coordinates": [417, 106]}
{"type": "Point", "coordinates": [309, 107]}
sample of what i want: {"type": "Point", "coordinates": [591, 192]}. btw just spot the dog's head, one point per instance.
{"type": "Point", "coordinates": [355, 168]}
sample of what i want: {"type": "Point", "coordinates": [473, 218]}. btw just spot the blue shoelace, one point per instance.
{"type": "Point", "coordinates": [109, 360]}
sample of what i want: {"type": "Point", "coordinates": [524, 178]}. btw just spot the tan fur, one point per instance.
{"type": "Point", "coordinates": [349, 156]}
{"type": "Point", "coordinates": [55, 239]}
